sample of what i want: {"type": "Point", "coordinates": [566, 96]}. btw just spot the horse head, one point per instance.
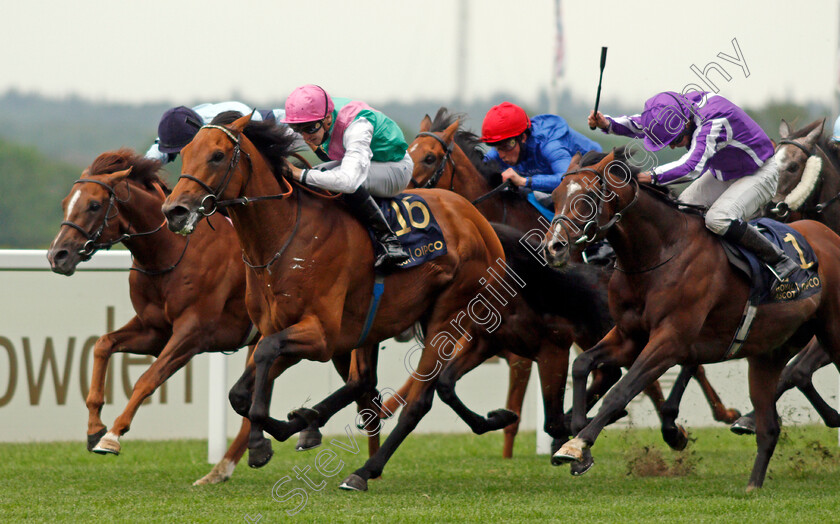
{"type": "Point", "coordinates": [95, 209]}
{"type": "Point", "coordinates": [211, 171]}
{"type": "Point", "coordinates": [432, 154]}
{"type": "Point", "coordinates": [799, 168]}
{"type": "Point", "coordinates": [594, 194]}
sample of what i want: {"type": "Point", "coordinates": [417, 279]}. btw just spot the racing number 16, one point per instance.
{"type": "Point", "coordinates": [410, 207]}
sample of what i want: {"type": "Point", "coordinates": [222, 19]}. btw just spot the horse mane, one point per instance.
{"type": "Point", "coordinates": [470, 144]}
{"type": "Point", "coordinates": [661, 193]}
{"type": "Point", "coordinates": [144, 170]}
{"type": "Point", "coordinates": [576, 293]}
{"type": "Point", "coordinates": [271, 140]}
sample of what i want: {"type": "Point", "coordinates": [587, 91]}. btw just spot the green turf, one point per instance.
{"type": "Point", "coordinates": [431, 478]}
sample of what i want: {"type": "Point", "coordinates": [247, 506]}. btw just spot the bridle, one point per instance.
{"type": "Point", "coordinates": [591, 229]}
{"type": "Point", "coordinates": [447, 157]}
{"type": "Point", "coordinates": [93, 245]}
{"type": "Point", "coordinates": [213, 194]}
{"type": "Point", "coordinates": [782, 209]}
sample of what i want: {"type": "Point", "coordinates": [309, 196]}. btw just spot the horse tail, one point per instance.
{"type": "Point", "coordinates": [577, 293]}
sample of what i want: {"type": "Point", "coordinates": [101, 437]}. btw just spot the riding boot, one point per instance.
{"type": "Point", "coordinates": [772, 255]}
{"type": "Point", "coordinates": [389, 251]}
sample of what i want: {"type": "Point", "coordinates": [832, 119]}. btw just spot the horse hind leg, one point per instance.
{"type": "Point", "coordinates": [719, 411]}
{"type": "Point", "coordinates": [519, 375]}
{"type": "Point", "coordinates": [465, 361]}
{"type": "Point", "coordinates": [763, 371]}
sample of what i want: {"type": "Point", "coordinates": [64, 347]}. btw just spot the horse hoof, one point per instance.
{"type": "Point", "coordinates": [571, 451]}
{"type": "Point", "coordinates": [93, 440]}
{"type": "Point", "coordinates": [501, 418]}
{"type": "Point", "coordinates": [743, 426]}
{"type": "Point", "coordinates": [676, 437]}
{"type": "Point", "coordinates": [354, 483]}
{"type": "Point", "coordinates": [259, 455]}
{"type": "Point", "coordinates": [308, 439]}
{"type": "Point", "coordinates": [220, 473]}
{"type": "Point", "coordinates": [108, 444]}
{"type": "Point", "coordinates": [556, 444]}
{"type": "Point", "coordinates": [752, 487]}
{"type": "Point", "coordinates": [579, 468]}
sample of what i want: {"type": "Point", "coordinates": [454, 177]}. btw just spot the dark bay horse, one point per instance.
{"type": "Point", "coordinates": [446, 156]}
{"type": "Point", "coordinates": [808, 188]}
{"type": "Point", "coordinates": [313, 268]}
{"type": "Point", "coordinates": [188, 294]}
{"type": "Point", "coordinates": [676, 300]}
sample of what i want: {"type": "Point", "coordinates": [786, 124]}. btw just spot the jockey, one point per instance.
{"type": "Point", "coordinates": [534, 153]}
{"type": "Point", "coordinates": [365, 154]}
{"type": "Point", "coordinates": [730, 160]}
{"type": "Point", "coordinates": [179, 125]}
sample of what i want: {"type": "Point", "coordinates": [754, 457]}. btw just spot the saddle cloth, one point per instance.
{"type": "Point", "coordinates": [803, 283]}
{"type": "Point", "coordinates": [416, 228]}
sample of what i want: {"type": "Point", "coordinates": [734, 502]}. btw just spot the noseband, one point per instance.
{"type": "Point", "coordinates": [447, 157]}
{"type": "Point", "coordinates": [782, 209]}
{"type": "Point", "coordinates": [591, 229]}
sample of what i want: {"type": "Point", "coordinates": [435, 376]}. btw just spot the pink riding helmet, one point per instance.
{"type": "Point", "coordinates": [307, 104]}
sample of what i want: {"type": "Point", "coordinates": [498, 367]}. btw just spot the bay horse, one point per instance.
{"type": "Point", "coordinates": [449, 157]}
{"type": "Point", "coordinates": [313, 267]}
{"type": "Point", "coordinates": [677, 300]}
{"type": "Point", "coordinates": [188, 294]}
{"type": "Point", "coordinates": [808, 188]}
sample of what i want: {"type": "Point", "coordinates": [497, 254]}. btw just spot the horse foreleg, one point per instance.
{"type": "Point", "coordinates": [674, 434]}
{"type": "Point", "coordinates": [131, 338]}
{"type": "Point", "coordinates": [519, 375]}
{"type": "Point", "coordinates": [763, 372]}
{"type": "Point", "coordinates": [390, 406]}
{"type": "Point", "coordinates": [654, 360]}
{"type": "Point", "coordinates": [553, 368]}
{"type": "Point", "coordinates": [178, 351]}
{"type": "Point", "coordinates": [612, 350]}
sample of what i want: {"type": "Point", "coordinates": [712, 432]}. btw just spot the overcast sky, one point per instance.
{"type": "Point", "coordinates": [386, 50]}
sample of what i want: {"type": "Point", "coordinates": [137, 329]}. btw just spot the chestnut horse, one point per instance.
{"type": "Point", "coordinates": [677, 300]}
{"type": "Point", "coordinates": [118, 200]}
{"type": "Point", "coordinates": [313, 269]}
{"type": "Point", "coordinates": [448, 157]}
{"type": "Point", "coordinates": [808, 188]}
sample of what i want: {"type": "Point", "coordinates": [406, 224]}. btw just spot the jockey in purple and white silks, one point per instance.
{"type": "Point", "coordinates": [730, 160]}
{"type": "Point", "coordinates": [365, 153]}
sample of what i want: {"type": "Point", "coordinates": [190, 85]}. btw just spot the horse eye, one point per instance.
{"type": "Point", "coordinates": [430, 159]}
{"type": "Point", "coordinates": [94, 206]}
{"type": "Point", "coordinates": [794, 166]}
{"type": "Point", "coordinates": [218, 156]}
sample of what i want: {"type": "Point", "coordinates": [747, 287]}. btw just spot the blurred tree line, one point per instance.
{"type": "Point", "coordinates": [45, 143]}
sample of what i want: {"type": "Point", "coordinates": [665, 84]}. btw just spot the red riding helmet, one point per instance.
{"type": "Point", "coordinates": [503, 121]}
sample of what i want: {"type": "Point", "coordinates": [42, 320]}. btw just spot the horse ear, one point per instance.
{"type": "Point", "coordinates": [239, 124]}
{"type": "Point", "coordinates": [449, 132]}
{"type": "Point", "coordinates": [815, 134]}
{"type": "Point", "coordinates": [118, 176]}
{"type": "Point", "coordinates": [426, 124]}
{"type": "Point", "coordinates": [606, 160]}
{"type": "Point", "coordinates": [784, 129]}
{"type": "Point", "coordinates": [575, 162]}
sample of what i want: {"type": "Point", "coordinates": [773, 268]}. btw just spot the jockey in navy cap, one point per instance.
{"type": "Point", "coordinates": [179, 125]}
{"type": "Point", "coordinates": [730, 161]}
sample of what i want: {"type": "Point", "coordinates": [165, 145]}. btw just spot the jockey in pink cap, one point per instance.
{"type": "Point", "coordinates": [365, 154]}
{"type": "Point", "coordinates": [729, 162]}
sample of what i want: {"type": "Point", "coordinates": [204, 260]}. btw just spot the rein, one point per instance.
{"type": "Point", "coordinates": [447, 157]}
